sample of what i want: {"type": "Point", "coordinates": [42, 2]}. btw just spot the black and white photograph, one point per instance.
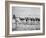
{"type": "Point", "coordinates": [25, 18]}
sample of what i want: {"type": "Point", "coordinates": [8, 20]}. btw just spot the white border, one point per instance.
{"type": "Point", "coordinates": [23, 32]}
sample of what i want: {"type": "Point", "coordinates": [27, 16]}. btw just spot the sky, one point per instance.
{"type": "Point", "coordinates": [26, 11]}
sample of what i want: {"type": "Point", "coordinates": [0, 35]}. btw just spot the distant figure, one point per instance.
{"type": "Point", "coordinates": [37, 19]}
{"type": "Point", "coordinates": [22, 19]}
{"type": "Point", "coordinates": [32, 19]}
{"type": "Point", "coordinates": [27, 19]}
{"type": "Point", "coordinates": [14, 17]}
{"type": "Point", "coordinates": [14, 25]}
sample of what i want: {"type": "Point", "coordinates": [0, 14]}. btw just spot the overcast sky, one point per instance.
{"type": "Point", "coordinates": [26, 11]}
